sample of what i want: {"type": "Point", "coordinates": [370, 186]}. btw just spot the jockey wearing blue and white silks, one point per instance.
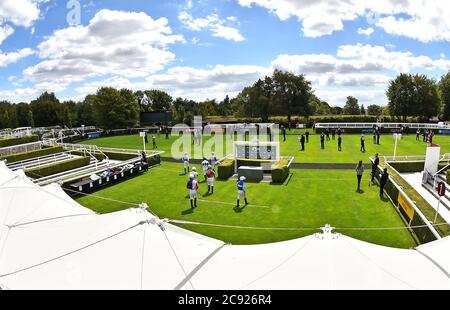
{"type": "Point", "coordinates": [185, 160]}
{"type": "Point", "coordinates": [242, 191]}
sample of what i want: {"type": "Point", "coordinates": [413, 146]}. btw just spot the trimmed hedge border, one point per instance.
{"type": "Point", "coordinates": [32, 154]}
{"type": "Point", "coordinates": [280, 171]}
{"type": "Point", "coordinates": [225, 169]}
{"type": "Point", "coordinates": [58, 167]}
{"type": "Point", "coordinates": [17, 141]}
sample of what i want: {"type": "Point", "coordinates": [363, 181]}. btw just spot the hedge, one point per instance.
{"type": "Point", "coordinates": [154, 160]}
{"type": "Point", "coordinates": [58, 167]}
{"type": "Point", "coordinates": [225, 169]}
{"type": "Point", "coordinates": [411, 166]}
{"type": "Point", "coordinates": [280, 171]}
{"type": "Point", "coordinates": [251, 162]}
{"type": "Point", "coordinates": [32, 154]}
{"type": "Point", "coordinates": [16, 141]}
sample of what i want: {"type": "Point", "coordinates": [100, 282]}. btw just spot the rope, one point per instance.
{"type": "Point", "coordinates": [109, 199]}
{"type": "Point", "coordinates": [297, 228]}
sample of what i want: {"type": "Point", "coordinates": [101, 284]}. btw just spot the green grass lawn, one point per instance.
{"type": "Point", "coordinates": [313, 153]}
{"type": "Point", "coordinates": [308, 199]}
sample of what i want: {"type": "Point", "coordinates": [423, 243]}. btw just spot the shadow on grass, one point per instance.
{"type": "Point", "coordinates": [188, 211]}
{"type": "Point", "coordinates": [239, 210]}
{"type": "Point", "coordinates": [207, 194]}
{"type": "Point", "coordinates": [385, 199]}
{"type": "Point", "coordinates": [360, 191]}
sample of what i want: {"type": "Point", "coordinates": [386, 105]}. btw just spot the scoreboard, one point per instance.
{"type": "Point", "coordinates": [256, 151]}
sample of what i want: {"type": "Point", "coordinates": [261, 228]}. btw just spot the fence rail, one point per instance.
{"type": "Point", "coordinates": [383, 125]}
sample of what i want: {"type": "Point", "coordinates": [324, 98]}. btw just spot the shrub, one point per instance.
{"type": "Point", "coordinates": [280, 171]}
{"type": "Point", "coordinates": [16, 141]}
{"type": "Point", "coordinates": [225, 169]}
{"type": "Point", "coordinates": [58, 167]}
{"type": "Point", "coordinates": [32, 154]}
{"type": "Point", "coordinates": [408, 166]}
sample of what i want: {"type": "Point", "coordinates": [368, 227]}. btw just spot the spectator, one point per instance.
{"type": "Point", "coordinates": [339, 143]}
{"type": "Point", "coordinates": [383, 180]}
{"type": "Point", "coordinates": [363, 148]}
{"type": "Point", "coordinates": [375, 164]}
{"type": "Point", "coordinates": [359, 172]}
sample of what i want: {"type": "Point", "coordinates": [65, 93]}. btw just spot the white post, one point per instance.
{"type": "Point", "coordinates": [395, 146]}
{"type": "Point", "coordinates": [437, 210]}
{"type": "Point", "coordinates": [143, 140]}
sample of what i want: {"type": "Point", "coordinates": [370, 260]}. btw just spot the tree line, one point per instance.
{"type": "Point", "coordinates": [280, 94]}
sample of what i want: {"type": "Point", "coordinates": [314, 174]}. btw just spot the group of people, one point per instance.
{"type": "Point", "coordinates": [304, 138]}
{"type": "Point", "coordinates": [209, 175]}
{"type": "Point", "coordinates": [376, 135]}
{"type": "Point", "coordinates": [153, 140]}
{"type": "Point", "coordinates": [427, 135]}
{"type": "Point", "coordinates": [384, 177]}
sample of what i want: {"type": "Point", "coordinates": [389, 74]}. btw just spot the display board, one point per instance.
{"type": "Point", "coordinates": [257, 150]}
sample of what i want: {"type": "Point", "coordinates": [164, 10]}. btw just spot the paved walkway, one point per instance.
{"type": "Point", "coordinates": [293, 165]}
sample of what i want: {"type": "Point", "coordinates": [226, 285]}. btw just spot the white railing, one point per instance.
{"type": "Point", "coordinates": [20, 148]}
{"type": "Point", "coordinates": [383, 125]}
{"type": "Point", "coordinates": [412, 203]}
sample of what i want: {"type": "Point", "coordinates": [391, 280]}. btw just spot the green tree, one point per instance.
{"type": "Point", "coordinates": [444, 88]}
{"type": "Point", "coordinates": [374, 109]}
{"type": "Point", "coordinates": [291, 93]}
{"type": "Point", "coordinates": [400, 94]}
{"type": "Point", "coordinates": [351, 106]}
{"type": "Point", "coordinates": [425, 97]}
{"type": "Point", "coordinates": [30, 119]}
{"type": "Point", "coordinates": [363, 110]}
{"type": "Point", "coordinates": [115, 108]}
{"type": "Point", "coordinates": [46, 110]}
{"type": "Point", "coordinates": [85, 114]}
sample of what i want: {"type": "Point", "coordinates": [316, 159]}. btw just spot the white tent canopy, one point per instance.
{"type": "Point", "coordinates": [48, 241]}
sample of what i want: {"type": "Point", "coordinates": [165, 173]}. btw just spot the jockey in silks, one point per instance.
{"type": "Point", "coordinates": [192, 186]}
{"type": "Point", "coordinates": [205, 164]}
{"type": "Point", "coordinates": [242, 191]}
{"type": "Point", "coordinates": [194, 173]}
{"type": "Point", "coordinates": [210, 174]}
{"type": "Point", "coordinates": [185, 160]}
{"type": "Point", "coordinates": [213, 159]}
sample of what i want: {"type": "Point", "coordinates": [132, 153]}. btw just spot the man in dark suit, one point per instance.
{"type": "Point", "coordinates": [383, 180]}
{"type": "Point", "coordinates": [302, 141]}
{"type": "Point", "coordinates": [375, 164]}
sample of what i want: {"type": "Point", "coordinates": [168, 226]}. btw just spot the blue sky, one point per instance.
{"type": "Point", "coordinates": [207, 49]}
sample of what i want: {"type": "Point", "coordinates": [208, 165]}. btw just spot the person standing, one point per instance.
{"type": "Point", "coordinates": [167, 132]}
{"type": "Point", "coordinates": [333, 133]}
{"type": "Point", "coordinates": [283, 130]}
{"type": "Point", "coordinates": [210, 173]}
{"type": "Point", "coordinates": [242, 191]}
{"type": "Point", "coordinates": [302, 142]}
{"type": "Point", "coordinates": [374, 136]}
{"type": "Point", "coordinates": [339, 131]}
{"type": "Point", "coordinates": [378, 136]}
{"type": "Point", "coordinates": [359, 172]}
{"type": "Point", "coordinates": [322, 141]}
{"type": "Point", "coordinates": [307, 135]}
{"type": "Point", "coordinates": [375, 164]}
{"type": "Point", "coordinates": [192, 186]}
{"type": "Point", "coordinates": [339, 143]}
{"type": "Point", "coordinates": [185, 160]}
{"type": "Point", "coordinates": [144, 161]}
{"type": "Point", "coordinates": [417, 134]}
{"type": "Point", "coordinates": [425, 134]}
{"type": "Point", "coordinates": [383, 180]}
{"type": "Point", "coordinates": [363, 148]}
{"type": "Point", "coordinates": [145, 137]}
{"type": "Point", "coordinates": [327, 133]}
{"type": "Point", "coordinates": [213, 159]}
{"type": "Point", "coordinates": [205, 164]}
{"type": "Point", "coordinates": [154, 142]}
{"type": "Point", "coordinates": [194, 173]}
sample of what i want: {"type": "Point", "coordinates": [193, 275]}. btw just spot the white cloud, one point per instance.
{"type": "Point", "coordinates": [424, 20]}
{"type": "Point", "coordinates": [213, 23]}
{"type": "Point", "coordinates": [19, 12]}
{"type": "Point", "coordinates": [115, 42]}
{"type": "Point", "coordinates": [13, 57]}
{"type": "Point", "coordinates": [5, 32]}
{"type": "Point", "coordinates": [366, 32]}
